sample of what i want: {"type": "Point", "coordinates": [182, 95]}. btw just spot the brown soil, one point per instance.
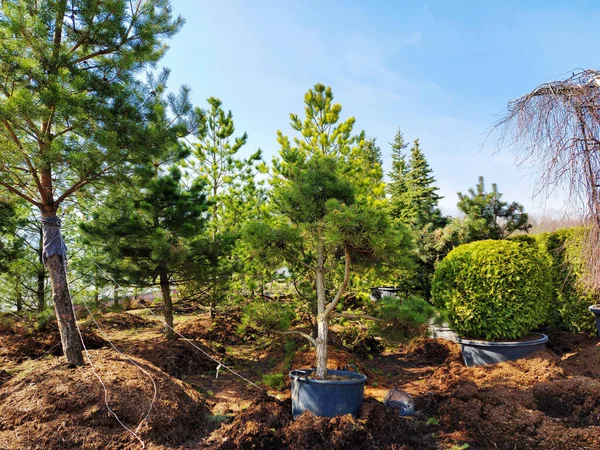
{"type": "Point", "coordinates": [51, 406]}
{"type": "Point", "coordinates": [222, 329]}
{"type": "Point", "coordinates": [267, 424]}
{"type": "Point", "coordinates": [119, 321]}
{"type": "Point", "coordinates": [20, 341]}
{"type": "Point", "coordinates": [178, 358]}
{"type": "Point", "coordinates": [550, 400]}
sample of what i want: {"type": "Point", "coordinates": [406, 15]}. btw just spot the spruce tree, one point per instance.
{"type": "Point", "coordinates": [72, 108]}
{"type": "Point", "coordinates": [397, 187]}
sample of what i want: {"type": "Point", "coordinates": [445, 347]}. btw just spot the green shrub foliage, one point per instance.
{"type": "Point", "coordinates": [493, 289]}
{"type": "Point", "coordinates": [572, 298]}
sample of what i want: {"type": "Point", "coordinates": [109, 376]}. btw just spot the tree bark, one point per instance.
{"type": "Point", "coordinates": [322, 324]}
{"type": "Point", "coordinates": [41, 276]}
{"type": "Point", "coordinates": [69, 335]}
{"type": "Point", "coordinates": [165, 288]}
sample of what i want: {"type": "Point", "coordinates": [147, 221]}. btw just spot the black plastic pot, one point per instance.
{"type": "Point", "coordinates": [481, 353]}
{"type": "Point", "coordinates": [377, 293]}
{"type": "Point", "coordinates": [595, 309]}
{"type": "Point", "coordinates": [327, 398]}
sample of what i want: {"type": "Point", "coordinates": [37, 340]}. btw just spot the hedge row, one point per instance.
{"type": "Point", "coordinates": [562, 250]}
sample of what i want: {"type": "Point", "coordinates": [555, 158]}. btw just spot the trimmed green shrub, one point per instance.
{"type": "Point", "coordinates": [493, 289]}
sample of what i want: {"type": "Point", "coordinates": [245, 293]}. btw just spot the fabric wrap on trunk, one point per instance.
{"type": "Point", "coordinates": [53, 241]}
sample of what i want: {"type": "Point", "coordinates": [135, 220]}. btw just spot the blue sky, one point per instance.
{"type": "Point", "coordinates": [441, 71]}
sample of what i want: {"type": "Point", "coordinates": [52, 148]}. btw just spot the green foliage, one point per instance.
{"type": "Point", "coordinates": [488, 217]}
{"type": "Point", "coordinates": [72, 105]}
{"type": "Point", "coordinates": [43, 319]}
{"type": "Point", "coordinates": [274, 381]}
{"type": "Point", "coordinates": [572, 297]}
{"type": "Point", "coordinates": [493, 289]}
{"type": "Point", "coordinates": [414, 195]}
{"type": "Point", "coordinates": [402, 318]}
{"type": "Point", "coordinates": [266, 316]}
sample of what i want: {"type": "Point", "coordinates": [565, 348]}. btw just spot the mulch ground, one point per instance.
{"type": "Point", "coordinates": [21, 341]}
{"type": "Point", "coordinates": [550, 400]}
{"type": "Point", "coordinates": [51, 406]}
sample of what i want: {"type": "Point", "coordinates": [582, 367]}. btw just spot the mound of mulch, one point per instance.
{"type": "Point", "coordinates": [54, 407]}
{"type": "Point", "coordinates": [268, 424]}
{"type": "Point", "coordinates": [222, 329]}
{"type": "Point", "coordinates": [178, 358]}
{"type": "Point", "coordinates": [119, 321]}
{"type": "Point", "coordinates": [21, 341]}
{"type": "Point", "coordinates": [547, 416]}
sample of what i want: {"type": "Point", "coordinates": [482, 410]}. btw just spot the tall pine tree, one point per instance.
{"type": "Point", "coordinates": [233, 192]}
{"type": "Point", "coordinates": [72, 109]}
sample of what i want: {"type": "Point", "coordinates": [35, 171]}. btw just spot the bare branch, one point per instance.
{"type": "Point", "coordinates": [312, 340]}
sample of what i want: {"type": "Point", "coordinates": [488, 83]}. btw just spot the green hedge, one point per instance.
{"type": "Point", "coordinates": [493, 289]}
{"type": "Point", "coordinates": [563, 249]}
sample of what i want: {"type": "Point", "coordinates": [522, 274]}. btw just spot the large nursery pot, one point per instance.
{"type": "Point", "coordinates": [377, 293]}
{"type": "Point", "coordinates": [481, 353]}
{"type": "Point", "coordinates": [327, 398]}
{"type": "Point", "coordinates": [595, 309]}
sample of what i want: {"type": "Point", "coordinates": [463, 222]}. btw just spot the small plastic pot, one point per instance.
{"type": "Point", "coordinates": [481, 353]}
{"type": "Point", "coordinates": [327, 398]}
{"type": "Point", "coordinates": [595, 309]}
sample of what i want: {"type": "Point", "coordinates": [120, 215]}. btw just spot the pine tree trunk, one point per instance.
{"type": "Point", "coordinates": [322, 320]}
{"type": "Point", "coordinates": [65, 316]}
{"type": "Point", "coordinates": [40, 291]}
{"type": "Point", "coordinates": [41, 276]}
{"type": "Point", "coordinates": [18, 293]}
{"type": "Point", "coordinates": [165, 288]}
{"type": "Point", "coordinates": [116, 297]}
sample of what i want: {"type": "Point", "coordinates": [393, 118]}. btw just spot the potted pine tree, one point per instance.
{"type": "Point", "coordinates": [327, 217]}
{"type": "Point", "coordinates": [494, 293]}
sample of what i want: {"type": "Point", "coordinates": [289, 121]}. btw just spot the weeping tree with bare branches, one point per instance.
{"type": "Point", "coordinates": [556, 127]}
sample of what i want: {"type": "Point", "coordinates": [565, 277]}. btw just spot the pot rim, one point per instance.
{"type": "Point", "coordinates": [300, 375]}
{"type": "Point", "coordinates": [541, 340]}
{"type": "Point", "coordinates": [594, 308]}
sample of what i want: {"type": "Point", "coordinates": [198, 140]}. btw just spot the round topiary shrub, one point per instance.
{"type": "Point", "coordinates": [493, 289]}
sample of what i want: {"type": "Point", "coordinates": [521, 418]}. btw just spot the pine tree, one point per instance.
{"type": "Point", "coordinates": [151, 234]}
{"type": "Point", "coordinates": [233, 192]}
{"type": "Point", "coordinates": [72, 109]}
{"type": "Point", "coordinates": [487, 216]}
{"type": "Point", "coordinates": [413, 191]}
{"type": "Point", "coordinates": [324, 218]}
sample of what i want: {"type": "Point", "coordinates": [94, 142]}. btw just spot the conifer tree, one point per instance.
{"type": "Point", "coordinates": [397, 187]}
{"type": "Point", "coordinates": [72, 109]}
{"type": "Point", "coordinates": [151, 234]}
{"type": "Point", "coordinates": [324, 216]}
{"type": "Point", "coordinates": [487, 216]}
{"type": "Point", "coordinates": [413, 191]}
{"type": "Point", "coordinates": [234, 194]}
